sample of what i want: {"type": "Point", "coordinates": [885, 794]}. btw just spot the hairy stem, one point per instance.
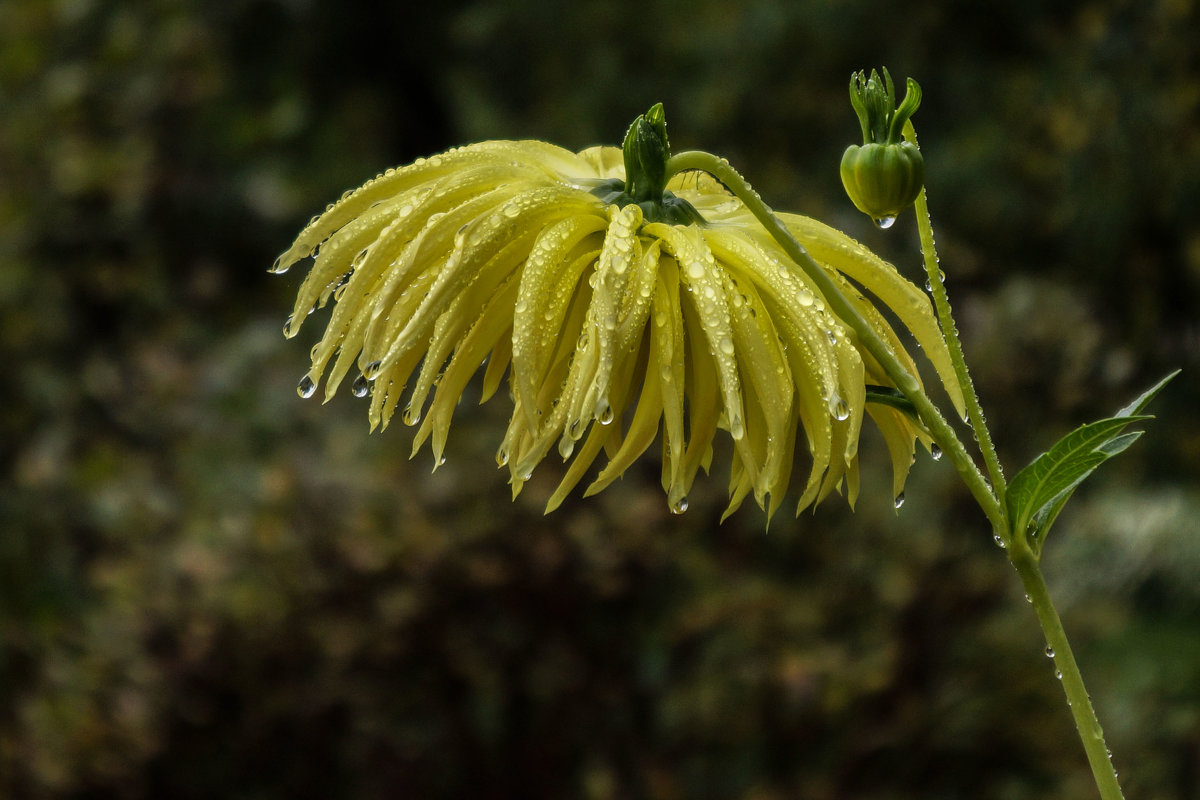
{"type": "Point", "coordinates": [941, 303]}
{"type": "Point", "coordinates": [943, 434]}
{"type": "Point", "coordinates": [1078, 699]}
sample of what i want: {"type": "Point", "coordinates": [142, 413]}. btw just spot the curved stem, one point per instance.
{"type": "Point", "coordinates": [941, 303]}
{"type": "Point", "coordinates": [943, 434]}
{"type": "Point", "coordinates": [1080, 702]}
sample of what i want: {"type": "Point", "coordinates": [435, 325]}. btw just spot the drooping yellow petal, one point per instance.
{"type": "Point", "coordinates": [548, 282]}
{"type": "Point", "coordinates": [910, 305]}
{"type": "Point", "coordinates": [700, 275]}
{"type": "Point", "coordinates": [622, 250]}
{"type": "Point", "coordinates": [766, 373]}
{"type": "Point", "coordinates": [667, 359]}
{"type": "Point", "coordinates": [550, 160]}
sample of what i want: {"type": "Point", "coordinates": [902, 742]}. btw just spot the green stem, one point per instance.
{"type": "Point", "coordinates": [943, 434]}
{"type": "Point", "coordinates": [1080, 702]}
{"type": "Point", "coordinates": [941, 303]}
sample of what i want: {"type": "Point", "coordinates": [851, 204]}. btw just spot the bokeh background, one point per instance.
{"type": "Point", "coordinates": [210, 588]}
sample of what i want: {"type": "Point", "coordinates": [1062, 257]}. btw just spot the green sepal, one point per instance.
{"type": "Point", "coordinates": [1038, 493]}
{"type": "Point", "coordinates": [874, 102]}
{"type": "Point", "coordinates": [646, 151]}
{"type": "Point", "coordinates": [670, 208]}
{"type": "Point", "coordinates": [883, 179]}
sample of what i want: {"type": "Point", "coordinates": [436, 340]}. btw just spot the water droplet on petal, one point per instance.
{"type": "Point", "coordinates": [899, 501]}
{"type": "Point", "coordinates": [935, 452]}
{"type": "Point", "coordinates": [361, 386]}
{"type": "Point", "coordinates": [1058, 674]}
{"type": "Point", "coordinates": [604, 415]}
{"type": "Point", "coordinates": [1049, 651]}
{"type": "Point", "coordinates": [411, 415]}
{"type": "Point", "coordinates": [502, 457]}
{"type": "Point", "coordinates": [841, 411]}
{"type": "Point", "coordinates": [679, 506]}
{"type": "Point", "coordinates": [727, 346]}
{"type": "Point", "coordinates": [566, 446]}
{"type": "Point", "coordinates": [883, 223]}
{"type": "Point", "coordinates": [999, 542]}
{"type": "Point", "coordinates": [306, 388]}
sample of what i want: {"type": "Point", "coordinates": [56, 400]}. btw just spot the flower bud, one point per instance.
{"type": "Point", "coordinates": [883, 176]}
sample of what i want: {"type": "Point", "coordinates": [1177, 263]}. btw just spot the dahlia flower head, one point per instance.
{"type": "Point", "coordinates": [615, 327]}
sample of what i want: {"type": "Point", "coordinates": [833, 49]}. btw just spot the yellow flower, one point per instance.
{"type": "Point", "coordinates": [500, 257]}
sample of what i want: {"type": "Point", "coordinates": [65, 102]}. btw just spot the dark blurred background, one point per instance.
{"type": "Point", "coordinates": [210, 588]}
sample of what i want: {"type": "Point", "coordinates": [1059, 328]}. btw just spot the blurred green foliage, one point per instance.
{"type": "Point", "coordinates": [209, 588]}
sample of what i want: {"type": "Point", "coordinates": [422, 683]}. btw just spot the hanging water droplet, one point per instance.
{"type": "Point", "coordinates": [287, 326]}
{"type": "Point", "coordinates": [411, 415]}
{"type": "Point", "coordinates": [883, 223]}
{"type": "Point", "coordinates": [566, 446]}
{"type": "Point", "coordinates": [306, 387]}
{"type": "Point", "coordinates": [679, 506]}
{"type": "Point", "coordinates": [841, 411]}
{"type": "Point", "coordinates": [371, 370]}
{"type": "Point", "coordinates": [1049, 651]}
{"type": "Point", "coordinates": [737, 429]}
{"type": "Point", "coordinates": [899, 501]}
{"type": "Point", "coordinates": [935, 452]}
{"type": "Point", "coordinates": [502, 457]}
{"type": "Point", "coordinates": [361, 386]}
{"type": "Point", "coordinates": [605, 417]}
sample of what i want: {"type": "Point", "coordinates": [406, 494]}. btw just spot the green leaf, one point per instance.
{"type": "Point", "coordinates": [1038, 493]}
